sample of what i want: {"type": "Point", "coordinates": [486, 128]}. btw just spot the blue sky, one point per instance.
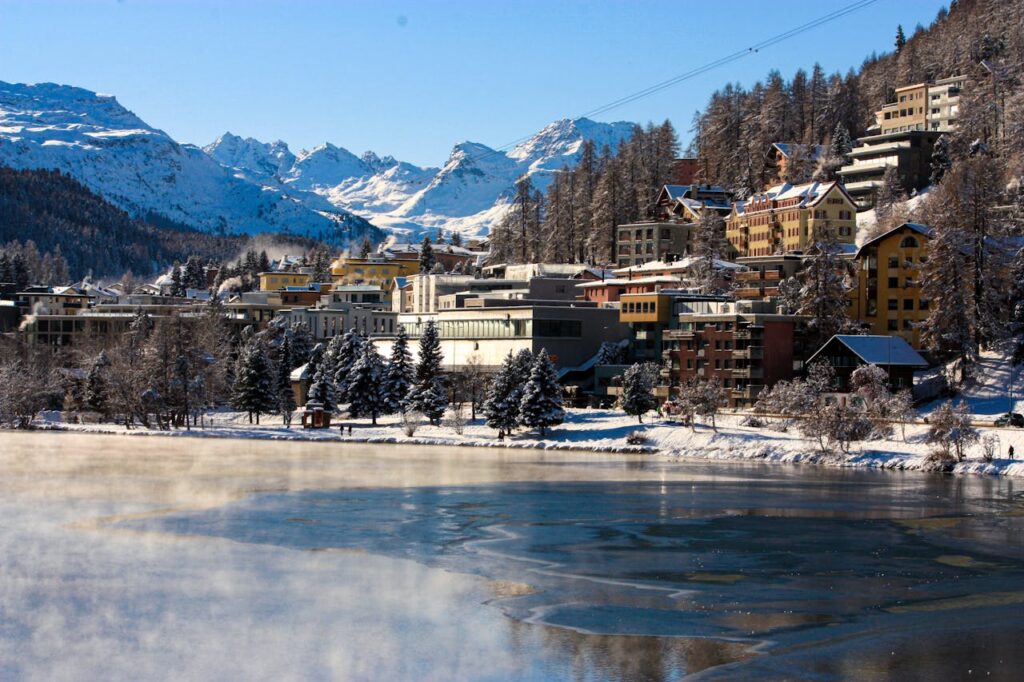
{"type": "Point", "coordinates": [411, 78]}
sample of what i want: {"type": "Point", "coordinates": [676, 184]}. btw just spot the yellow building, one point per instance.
{"type": "Point", "coordinates": [272, 281]}
{"type": "Point", "coordinates": [372, 270]}
{"type": "Point", "coordinates": [888, 289]}
{"type": "Point", "coordinates": [787, 218]}
{"type": "Point", "coordinates": [923, 106]}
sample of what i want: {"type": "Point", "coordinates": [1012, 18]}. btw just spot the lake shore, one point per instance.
{"type": "Point", "coordinates": [606, 431]}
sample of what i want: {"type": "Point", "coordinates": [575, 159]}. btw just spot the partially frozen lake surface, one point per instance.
{"type": "Point", "coordinates": [151, 558]}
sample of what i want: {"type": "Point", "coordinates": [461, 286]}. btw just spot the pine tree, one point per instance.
{"type": "Point", "coordinates": [823, 296]}
{"type": "Point", "coordinates": [638, 390]}
{"type": "Point", "coordinates": [941, 161]}
{"type": "Point", "coordinates": [427, 259]}
{"type": "Point", "coordinates": [301, 343]}
{"type": "Point", "coordinates": [427, 395]}
{"type": "Point", "coordinates": [901, 40]}
{"type": "Point", "coordinates": [456, 238]}
{"type": "Point", "coordinates": [344, 352]}
{"type": "Point", "coordinates": [541, 403]}
{"type": "Point", "coordinates": [97, 391]}
{"type": "Point", "coordinates": [285, 395]}
{"type": "Point", "coordinates": [364, 248]}
{"type": "Point", "coordinates": [501, 406]}
{"type": "Point", "coordinates": [399, 375]}
{"type": "Point", "coordinates": [322, 388]}
{"type": "Point", "coordinates": [254, 390]}
{"type": "Point", "coordinates": [365, 387]}
{"type": "Point", "coordinates": [177, 285]}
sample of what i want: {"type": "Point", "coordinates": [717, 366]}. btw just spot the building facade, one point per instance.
{"type": "Point", "coordinates": [788, 218]}
{"type": "Point", "coordinates": [909, 152]}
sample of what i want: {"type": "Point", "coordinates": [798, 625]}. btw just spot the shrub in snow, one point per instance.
{"type": "Point", "coordinates": [989, 447]}
{"type": "Point", "coordinates": [411, 422]}
{"type": "Point", "coordinates": [637, 438]}
{"type": "Point", "coordinates": [455, 420]}
{"type": "Point", "coordinates": [950, 428]}
{"type": "Point", "coordinates": [752, 421]}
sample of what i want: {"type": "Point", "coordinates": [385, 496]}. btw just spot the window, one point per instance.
{"type": "Point", "coordinates": [894, 282]}
{"type": "Point", "coordinates": [893, 304]}
{"type": "Point", "coordinates": [894, 262]}
{"type": "Point", "coordinates": [893, 325]}
{"type": "Point", "coordinates": [908, 242]}
{"type": "Point", "coordinates": [923, 305]}
{"type": "Point", "coordinates": [908, 325]}
{"type": "Point", "coordinates": [908, 304]}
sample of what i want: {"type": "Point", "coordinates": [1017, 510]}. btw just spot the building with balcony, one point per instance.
{"type": "Point", "coordinates": [909, 152]}
{"type": "Point", "coordinates": [888, 293]}
{"type": "Point", "coordinates": [670, 235]}
{"type": "Point", "coordinates": [271, 281]}
{"type": "Point", "coordinates": [788, 218]}
{"type": "Point", "coordinates": [922, 106]}
{"type": "Point", "coordinates": [762, 275]}
{"type": "Point", "coordinates": [745, 344]}
{"type": "Point", "coordinates": [372, 270]}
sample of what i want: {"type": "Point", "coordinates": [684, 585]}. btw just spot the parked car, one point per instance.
{"type": "Point", "coordinates": [1011, 419]}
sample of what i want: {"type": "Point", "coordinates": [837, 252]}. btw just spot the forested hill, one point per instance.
{"type": "Point", "coordinates": [739, 124]}
{"type": "Point", "coordinates": [67, 221]}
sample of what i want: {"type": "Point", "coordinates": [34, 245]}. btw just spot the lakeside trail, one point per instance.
{"type": "Point", "coordinates": [606, 431]}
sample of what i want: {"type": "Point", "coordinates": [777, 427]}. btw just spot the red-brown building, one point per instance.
{"type": "Point", "coordinates": [743, 343]}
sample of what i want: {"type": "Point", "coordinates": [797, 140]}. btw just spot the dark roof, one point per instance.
{"type": "Point", "coordinates": [885, 351]}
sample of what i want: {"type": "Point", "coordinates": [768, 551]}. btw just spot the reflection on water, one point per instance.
{"type": "Point", "coordinates": [124, 558]}
{"type": "Point", "coordinates": [697, 575]}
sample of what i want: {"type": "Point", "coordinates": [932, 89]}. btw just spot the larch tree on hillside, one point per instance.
{"type": "Point", "coordinates": [709, 245]}
{"type": "Point", "coordinates": [823, 295]}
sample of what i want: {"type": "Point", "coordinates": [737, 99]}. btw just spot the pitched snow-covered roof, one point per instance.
{"type": "Point", "coordinates": [787, 149]}
{"type": "Point", "coordinates": [299, 373]}
{"type": "Point", "coordinates": [923, 230]}
{"type": "Point", "coordinates": [878, 350]}
{"type": "Point", "coordinates": [809, 194]}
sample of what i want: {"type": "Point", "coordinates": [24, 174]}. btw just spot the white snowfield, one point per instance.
{"type": "Point", "coordinates": [606, 431]}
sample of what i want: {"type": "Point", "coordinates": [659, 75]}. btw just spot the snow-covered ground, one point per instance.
{"type": "Point", "coordinates": [607, 430]}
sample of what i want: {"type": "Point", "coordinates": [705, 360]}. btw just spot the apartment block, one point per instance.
{"type": "Point", "coordinates": [788, 218]}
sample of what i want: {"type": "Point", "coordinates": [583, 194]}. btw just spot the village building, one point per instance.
{"type": "Point", "coordinates": [845, 353]}
{"type": "Point", "coordinates": [889, 298]}
{"type": "Point", "coordinates": [788, 218]}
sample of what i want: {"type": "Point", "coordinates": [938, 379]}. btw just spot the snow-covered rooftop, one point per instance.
{"type": "Point", "coordinates": [878, 350]}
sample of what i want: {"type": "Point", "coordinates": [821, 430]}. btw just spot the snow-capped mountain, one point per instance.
{"type": "Point", "coordinates": [140, 168]}
{"type": "Point", "coordinates": [468, 194]}
{"type": "Point", "coordinates": [238, 184]}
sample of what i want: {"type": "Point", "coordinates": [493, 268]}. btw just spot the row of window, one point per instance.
{"type": "Point", "coordinates": [498, 329]}
{"type": "Point", "coordinates": [640, 307]}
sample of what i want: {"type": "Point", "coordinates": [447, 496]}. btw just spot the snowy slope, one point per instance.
{"type": "Point", "coordinates": [142, 169]}
{"type": "Point", "coordinates": [468, 194]}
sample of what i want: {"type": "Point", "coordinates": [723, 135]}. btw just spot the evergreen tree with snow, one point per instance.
{"type": "Point", "coordinates": [348, 349]}
{"type": "Point", "coordinates": [427, 258]}
{"type": "Point", "coordinates": [254, 390]}
{"type": "Point", "coordinates": [427, 395]}
{"type": "Point", "coordinates": [399, 374]}
{"type": "Point", "coordinates": [541, 402]}
{"type": "Point", "coordinates": [501, 406]}
{"type": "Point", "coordinates": [823, 295]}
{"type": "Point", "coordinates": [301, 343]}
{"type": "Point", "coordinates": [322, 388]}
{"type": "Point", "coordinates": [285, 395]}
{"type": "Point", "coordinates": [364, 248]}
{"type": "Point", "coordinates": [638, 390]}
{"type": "Point", "coordinates": [97, 390]}
{"type": "Point", "coordinates": [177, 285]}
{"type": "Point", "coordinates": [365, 388]}
{"type": "Point", "coordinates": [949, 328]}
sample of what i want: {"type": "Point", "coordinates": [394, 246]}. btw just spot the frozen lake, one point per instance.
{"type": "Point", "coordinates": [178, 558]}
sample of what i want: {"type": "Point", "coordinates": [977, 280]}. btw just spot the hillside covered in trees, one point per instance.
{"type": "Point", "coordinates": [61, 229]}
{"type": "Point", "coordinates": [981, 39]}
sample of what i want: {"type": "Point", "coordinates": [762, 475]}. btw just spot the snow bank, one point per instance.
{"type": "Point", "coordinates": [606, 431]}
